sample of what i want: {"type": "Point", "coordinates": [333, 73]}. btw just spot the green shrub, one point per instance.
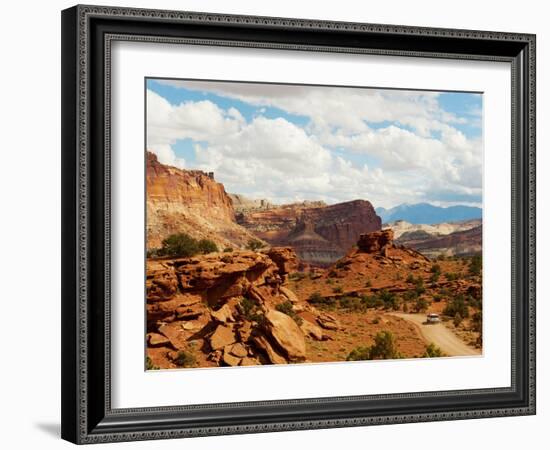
{"type": "Point", "coordinates": [359, 354]}
{"type": "Point", "coordinates": [251, 311]}
{"type": "Point", "coordinates": [296, 276]}
{"type": "Point", "coordinates": [457, 320]}
{"type": "Point", "coordinates": [352, 304]}
{"type": "Point", "coordinates": [421, 305]}
{"type": "Point", "coordinates": [368, 284]}
{"type": "Point", "coordinates": [228, 249]}
{"type": "Point", "coordinates": [149, 364]}
{"type": "Point", "coordinates": [436, 268]}
{"type": "Point", "coordinates": [389, 299]}
{"type": "Point", "coordinates": [369, 301]}
{"type": "Point", "coordinates": [317, 299]}
{"type": "Point", "coordinates": [254, 245]}
{"type": "Point", "coordinates": [185, 359]}
{"type": "Point", "coordinates": [337, 290]}
{"type": "Point", "coordinates": [476, 322]}
{"type": "Point", "coordinates": [383, 348]}
{"type": "Point", "coordinates": [452, 276]}
{"type": "Point", "coordinates": [433, 351]}
{"type": "Point", "coordinates": [434, 278]}
{"type": "Point", "coordinates": [410, 278]}
{"type": "Point", "coordinates": [207, 246]}
{"type": "Point", "coordinates": [475, 265]}
{"type": "Point", "coordinates": [457, 305]}
{"type": "Point", "coordinates": [179, 245]}
{"type": "Point", "coordinates": [288, 309]}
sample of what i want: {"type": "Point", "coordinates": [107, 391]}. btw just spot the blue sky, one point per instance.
{"type": "Point", "coordinates": [292, 143]}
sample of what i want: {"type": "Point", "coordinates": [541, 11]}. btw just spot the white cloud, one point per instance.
{"type": "Point", "coordinates": [279, 160]}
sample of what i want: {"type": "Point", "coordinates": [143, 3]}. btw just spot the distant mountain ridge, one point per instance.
{"type": "Point", "coordinates": [424, 213]}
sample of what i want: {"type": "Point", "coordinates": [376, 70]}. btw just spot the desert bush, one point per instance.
{"type": "Point", "coordinates": [149, 364]}
{"type": "Point", "coordinates": [436, 268]}
{"type": "Point", "coordinates": [389, 299]}
{"type": "Point", "coordinates": [433, 351]}
{"type": "Point", "coordinates": [421, 305]}
{"type": "Point", "coordinates": [254, 245]}
{"type": "Point", "coordinates": [405, 307]}
{"type": "Point", "coordinates": [476, 322]}
{"type": "Point", "coordinates": [457, 305]}
{"type": "Point", "coordinates": [383, 348]}
{"type": "Point", "coordinates": [317, 299]}
{"type": "Point", "coordinates": [185, 359]}
{"type": "Point", "coordinates": [207, 246]}
{"type": "Point", "coordinates": [452, 276]}
{"type": "Point", "coordinates": [337, 290]}
{"type": "Point", "coordinates": [179, 245]}
{"type": "Point", "coordinates": [288, 309]}
{"type": "Point", "coordinates": [434, 278]}
{"type": "Point", "coordinates": [369, 301]}
{"type": "Point", "coordinates": [296, 276]}
{"type": "Point", "coordinates": [355, 304]}
{"type": "Point", "coordinates": [250, 310]}
{"type": "Point", "coordinates": [228, 249]}
{"type": "Point", "coordinates": [359, 354]}
{"type": "Point", "coordinates": [340, 264]}
{"type": "Point", "coordinates": [457, 320]}
{"type": "Point", "coordinates": [475, 265]}
{"type": "Point", "coordinates": [368, 283]}
{"type": "Point", "coordinates": [410, 278]}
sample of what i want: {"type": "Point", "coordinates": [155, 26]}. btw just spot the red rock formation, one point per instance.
{"type": "Point", "coordinates": [376, 241]}
{"type": "Point", "coordinates": [189, 201]}
{"type": "Point", "coordinates": [228, 304]}
{"type": "Point", "coordinates": [320, 234]}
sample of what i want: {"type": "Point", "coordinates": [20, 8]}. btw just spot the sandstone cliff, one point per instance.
{"type": "Point", "coordinates": [189, 201]}
{"type": "Point", "coordinates": [320, 234]}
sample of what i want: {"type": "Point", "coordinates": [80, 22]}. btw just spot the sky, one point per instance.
{"type": "Point", "coordinates": [288, 143]}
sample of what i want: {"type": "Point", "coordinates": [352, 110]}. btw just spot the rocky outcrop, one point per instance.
{"type": "Point", "coordinates": [376, 241]}
{"type": "Point", "coordinates": [319, 234]}
{"type": "Point", "coordinates": [223, 308]}
{"type": "Point", "coordinates": [189, 201]}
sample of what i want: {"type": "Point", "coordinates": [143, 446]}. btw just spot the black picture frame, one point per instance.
{"type": "Point", "coordinates": [87, 33]}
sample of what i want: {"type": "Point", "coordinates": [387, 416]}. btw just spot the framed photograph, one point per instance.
{"type": "Point", "coordinates": [280, 224]}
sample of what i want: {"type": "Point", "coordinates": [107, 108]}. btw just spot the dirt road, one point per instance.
{"type": "Point", "coordinates": [441, 336]}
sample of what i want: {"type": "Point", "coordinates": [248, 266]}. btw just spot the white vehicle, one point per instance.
{"type": "Point", "coordinates": [432, 318]}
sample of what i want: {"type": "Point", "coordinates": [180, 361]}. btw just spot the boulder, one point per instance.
{"type": "Point", "coordinates": [328, 322]}
{"type": "Point", "coordinates": [238, 350]}
{"type": "Point", "coordinates": [286, 334]}
{"type": "Point", "coordinates": [222, 337]}
{"type": "Point", "coordinates": [310, 329]}
{"type": "Point", "coordinates": [223, 315]}
{"type": "Point", "coordinates": [175, 334]}
{"type": "Point", "coordinates": [156, 339]}
{"type": "Point", "coordinates": [290, 295]}
{"type": "Point", "coordinates": [229, 359]}
{"type": "Point", "coordinates": [273, 354]}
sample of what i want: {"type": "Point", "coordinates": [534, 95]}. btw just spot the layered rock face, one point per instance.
{"type": "Point", "coordinates": [459, 243]}
{"type": "Point", "coordinates": [224, 309]}
{"type": "Point", "coordinates": [188, 201]}
{"type": "Point", "coordinates": [320, 234]}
